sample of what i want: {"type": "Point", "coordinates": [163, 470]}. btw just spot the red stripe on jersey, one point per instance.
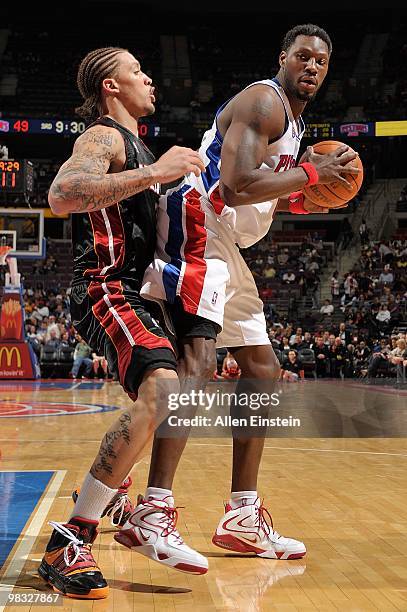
{"type": "Point", "coordinates": [125, 326]}
{"type": "Point", "coordinates": [194, 251]}
{"type": "Point", "coordinates": [217, 202]}
{"type": "Point", "coordinates": [107, 238]}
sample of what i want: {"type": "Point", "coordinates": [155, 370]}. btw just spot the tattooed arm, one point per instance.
{"type": "Point", "coordinates": [257, 116]}
{"type": "Point", "coordinates": [84, 185]}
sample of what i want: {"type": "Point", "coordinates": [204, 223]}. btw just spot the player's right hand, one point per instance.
{"type": "Point", "coordinates": [177, 162]}
{"type": "Point", "coordinates": [330, 165]}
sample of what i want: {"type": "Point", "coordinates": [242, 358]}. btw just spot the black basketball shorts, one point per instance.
{"type": "Point", "coordinates": [117, 323]}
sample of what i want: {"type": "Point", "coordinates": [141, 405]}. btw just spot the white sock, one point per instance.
{"type": "Point", "coordinates": [93, 499]}
{"type": "Point", "coordinates": [242, 498]}
{"type": "Point", "coordinates": [157, 493]}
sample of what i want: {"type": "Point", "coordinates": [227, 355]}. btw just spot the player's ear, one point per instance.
{"type": "Point", "coordinates": [282, 57]}
{"type": "Point", "coordinates": [110, 86]}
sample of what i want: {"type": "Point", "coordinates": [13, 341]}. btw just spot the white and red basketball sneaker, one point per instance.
{"type": "Point", "coordinates": [152, 531]}
{"type": "Point", "coordinates": [246, 530]}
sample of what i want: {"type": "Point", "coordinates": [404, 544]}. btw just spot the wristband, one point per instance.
{"type": "Point", "coordinates": [296, 203]}
{"type": "Point", "coordinates": [311, 172]}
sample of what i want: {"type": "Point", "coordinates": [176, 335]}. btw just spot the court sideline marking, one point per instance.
{"type": "Point", "coordinates": [20, 556]}
{"type": "Point", "coordinates": [315, 450]}
{"type": "Point", "coordinates": [295, 448]}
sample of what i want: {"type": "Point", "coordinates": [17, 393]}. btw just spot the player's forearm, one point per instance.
{"type": "Point", "coordinates": [282, 205]}
{"type": "Point", "coordinates": [79, 192]}
{"type": "Point", "coordinates": [263, 185]}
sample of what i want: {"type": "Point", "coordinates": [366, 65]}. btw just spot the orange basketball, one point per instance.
{"type": "Point", "coordinates": [334, 195]}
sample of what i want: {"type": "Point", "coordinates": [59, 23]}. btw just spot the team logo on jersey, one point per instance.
{"type": "Point", "coordinates": [214, 297]}
{"type": "Point", "coordinates": [285, 163]}
{"type": "Point", "coordinates": [13, 409]}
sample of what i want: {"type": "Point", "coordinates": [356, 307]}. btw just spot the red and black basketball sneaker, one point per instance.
{"type": "Point", "coordinates": [68, 564]}
{"type": "Point", "coordinates": [120, 508]}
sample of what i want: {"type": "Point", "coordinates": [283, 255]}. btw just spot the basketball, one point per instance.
{"type": "Point", "coordinates": [334, 195]}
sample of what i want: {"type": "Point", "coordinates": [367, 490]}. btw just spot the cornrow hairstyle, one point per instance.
{"type": "Point", "coordinates": [305, 29]}
{"type": "Point", "coordinates": [95, 66]}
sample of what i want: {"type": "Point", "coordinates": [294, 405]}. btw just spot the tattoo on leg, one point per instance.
{"type": "Point", "coordinates": [107, 449]}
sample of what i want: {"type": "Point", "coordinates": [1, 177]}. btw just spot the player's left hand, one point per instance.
{"type": "Point", "coordinates": [313, 208]}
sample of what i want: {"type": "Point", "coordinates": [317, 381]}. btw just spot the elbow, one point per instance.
{"type": "Point", "coordinates": [56, 205]}
{"type": "Point", "coordinates": [231, 197]}
{"type": "Point", "coordinates": [58, 201]}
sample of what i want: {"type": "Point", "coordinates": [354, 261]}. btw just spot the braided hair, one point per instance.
{"type": "Point", "coordinates": [95, 66]}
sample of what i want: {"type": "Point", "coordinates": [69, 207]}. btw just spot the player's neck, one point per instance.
{"type": "Point", "coordinates": [122, 116]}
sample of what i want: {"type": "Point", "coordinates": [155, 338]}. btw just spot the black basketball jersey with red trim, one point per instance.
{"type": "Point", "coordinates": [118, 242]}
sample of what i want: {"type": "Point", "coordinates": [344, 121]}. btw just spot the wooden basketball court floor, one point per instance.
{"type": "Point", "coordinates": [340, 487]}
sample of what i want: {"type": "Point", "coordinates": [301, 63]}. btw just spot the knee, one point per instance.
{"type": "Point", "coordinates": [155, 394]}
{"type": "Point", "coordinates": [199, 364]}
{"type": "Point", "coordinates": [263, 370]}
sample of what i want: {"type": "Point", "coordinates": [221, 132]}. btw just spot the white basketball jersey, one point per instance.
{"type": "Point", "coordinates": [197, 234]}
{"type": "Point", "coordinates": [249, 223]}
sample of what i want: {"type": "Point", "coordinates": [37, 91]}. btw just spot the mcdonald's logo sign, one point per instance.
{"type": "Point", "coordinates": [9, 353]}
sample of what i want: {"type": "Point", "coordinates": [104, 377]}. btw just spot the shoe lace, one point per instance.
{"type": "Point", "coordinates": [169, 520]}
{"type": "Point", "coordinates": [75, 545]}
{"type": "Point", "coordinates": [262, 522]}
{"type": "Point", "coordinates": [120, 506]}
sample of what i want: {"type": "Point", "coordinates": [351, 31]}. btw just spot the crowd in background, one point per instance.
{"type": "Point", "coordinates": [353, 334]}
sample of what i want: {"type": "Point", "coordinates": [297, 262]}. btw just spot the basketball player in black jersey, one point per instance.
{"type": "Point", "coordinates": [110, 184]}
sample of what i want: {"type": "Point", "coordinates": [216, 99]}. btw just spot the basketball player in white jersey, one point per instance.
{"type": "Point", "coordinates": [250, 172]}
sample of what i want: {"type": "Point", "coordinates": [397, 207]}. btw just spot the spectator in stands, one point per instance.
{"type": "Point", "coordinates": [99, 363]}
{"type": "Point", "coordinates": [363, 233]}
{"type": "Point", "coordinates": [283, 257]}
{"type": "Point", "coordinates": [297, 342]}
{"type": "Point", "coordinates": [64, 339]}
{"type": "Point", "coordinates": [379, 360]}
{"type": "Point", "coordinates": [350, 286]}
{"type": "Point", "coordinates": [313, 265]}
{"type": "Point", "coordinates": [41, 309]}
{"type": "Point", "coordinates": [335, 286]}
{"type": "Point", "coordinates": [385, 252]}
{"type": "Point", "coordinates": [322, 357]}
{"type": "Point", "coordinates": [285, 345]}
{"type": "Point", "coordinates": [52, 339]}
{"type": "Point", "coordinates": [291, 368]}
{"type": "Point", "coordinates": [313, 282]}
{"type": "Point", "coordinates": [337, 358]}
{"type": "Point", "coordinates": [230, 369]}
{"type": "Point", "coordinates": [327, 308]}
{"type": "Point", "coordinates": [383, 317]}
{"type": "Point", "coordinates": [305, 343]}
{"type": "Point", "coordinates": [82, 356]}
{"type": "Point", "coordinates": [387, 276]}
{"type": "Point", "coordinates": [52, 327]}
{"type": "Point", "coordinates": [50, 265]}
{"type": "Point", "coordinates": [269, 271]}
{"type": "Point", "coordinates": [33, 340]}
{"type": "Point", "coordinates": [298, 334]}
{"type": "Point", "coordinates": [42, 330]}
{"type": "Point", "coordinates": [362, 354]}
{"type": "Point", "coordinates": [349, 369]}
{"type": "Point", "coordinates": [289, 277]}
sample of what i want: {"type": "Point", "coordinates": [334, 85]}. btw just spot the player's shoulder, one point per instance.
{"type": "Point", "coordinates": [101, 137]}
{"type": "Point", "coordinates": [260, 100]}
{"type": "Point", "coordinates": [262, 91]}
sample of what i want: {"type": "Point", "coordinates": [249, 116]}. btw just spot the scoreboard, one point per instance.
{"type": "Point", "coordinates": [59, 127]}
{"type": "Point", "coordinates": [16, 176]}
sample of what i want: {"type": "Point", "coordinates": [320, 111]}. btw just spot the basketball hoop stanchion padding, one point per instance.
{"type": "Point", "coordinates": [17, 358]}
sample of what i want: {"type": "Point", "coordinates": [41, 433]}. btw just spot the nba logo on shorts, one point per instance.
{"type": "Point", "coordinates": [214, 297]}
